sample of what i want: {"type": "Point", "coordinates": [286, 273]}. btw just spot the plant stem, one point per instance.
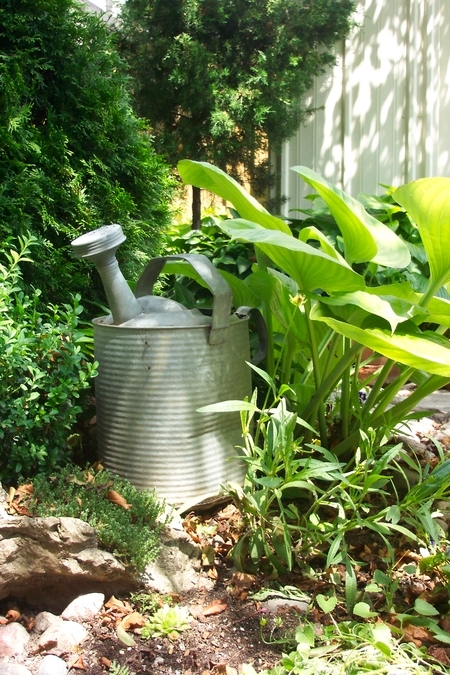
{"type": "Point", "coordinates": [398, 411]}
{"type": "Point", "coordinates": [261, 259]}
{"type": "Point", "coordinates": [330, 382]}
{"type": "Point", "coordinates": [345, 394]}
{"type": "Point", "coordinates": [317, 373]}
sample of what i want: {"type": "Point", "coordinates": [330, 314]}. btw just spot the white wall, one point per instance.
{"type": "Point", "coordinates": [102, 6]}
{"type": "Point", "coordinates": [386, 116]}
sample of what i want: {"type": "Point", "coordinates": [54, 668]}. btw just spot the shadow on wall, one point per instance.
{"type": "Point", "coordinates": [385, 104]}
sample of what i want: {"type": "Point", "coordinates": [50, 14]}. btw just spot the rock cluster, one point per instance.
{"type": "Point", "coordinates": [52, 560]}
{"type": "Point", "coordinates": [50, 637]}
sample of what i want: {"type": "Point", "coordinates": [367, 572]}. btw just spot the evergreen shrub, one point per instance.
{"type": "Point", "coordinates": [73, 156]}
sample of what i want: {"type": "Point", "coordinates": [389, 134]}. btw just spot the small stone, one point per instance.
{"type": "Point", "coordinates": [13, 639]}
{"type": "Point", "coordinates": [273, 604]}
{"type": "Point", "coordinates": [52, 665]}
{"type": "Point", "coordinates": [66, 636]}
{"type": "Point", "coordinates": [13, 669]}
{"type": "Point", "coordinates": [442, 524]}
{"type": "Point", "coordinates": [44, 620]}
{"type": "Point", "coordinates": [84, 608]}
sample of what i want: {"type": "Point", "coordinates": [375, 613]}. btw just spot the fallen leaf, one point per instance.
{"type": "Point", "coordinates": [29, 622]}
{"type": "Point", "coordinates": [417, 634]}
{"type": "Point", "coordinates": [76, 662]}
{"type": "Point", "coordinates": [13, 615]}
{"type": "Point", "coordinates": [242, 580]}
{"type": "Point", "coordinates": [124, 637]}
{"type": "Point", "coordinates": [440, 654]}
{"type": "Point", "coordinates": [21, 510]}
{"type": "Point", "coordinates": [133, 620]}
{"type": "Point", "coordinates": [50, 644]}
{"type": "Point", "coordinates": [223, 669]}
{"type": "Point", "coordinates": [216, 607]}
{"type": "Point", "coordinates": [116, 498]}
{"type": "Point", "coordinates": [105, 662]}
{"type": "Point", "coordinates": [75, 479]}
{"type": "Point", "coordinates": [25, 490]}
{"type": "Point", "coordinates": [241, 583]}
{"type": "Point", "coordinates": [196, 611]}
{"type": "Point", "coordinates": [115, 603]}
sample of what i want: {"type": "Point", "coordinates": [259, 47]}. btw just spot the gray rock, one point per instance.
{"type": "Point", "coordinates": [274, 604]}
{"type": "Point", "coordinates": [52, 665]}
{"type": "Point", "coordinates": [51, 561]}
{"type": "Point", "coordinates": [177, 566]}
{"type": "Point", "coordinates": [3, 499]}
{"type": "Point", "coordinates": [13, 639]}
{"type": "Point", "coordinates": [85, 607]}
{"type": "Point", "coordinates": [13, 669]}
{"type": "Point", "coordinates": [65, 636]}
{"type": "Point", "coordinates": [44, 620]}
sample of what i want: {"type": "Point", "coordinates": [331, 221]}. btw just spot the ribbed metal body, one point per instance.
{"type": "Point", "coordinates": [150, 384]}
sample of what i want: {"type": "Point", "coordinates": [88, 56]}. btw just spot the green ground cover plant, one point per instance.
{"type": "Point", "coordinates": [46, 364]}
{"type": "Point", "coordinates": [128, 521]}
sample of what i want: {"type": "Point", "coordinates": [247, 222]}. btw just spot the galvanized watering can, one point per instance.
{"type": "Point", "coordinates": [158, 363]}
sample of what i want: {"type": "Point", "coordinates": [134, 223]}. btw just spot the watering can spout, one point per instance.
{"type": "Point", "coordinates": [100, 247]}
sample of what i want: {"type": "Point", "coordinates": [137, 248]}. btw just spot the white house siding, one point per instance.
{"type": "Point", "coordinates": [386, 115]}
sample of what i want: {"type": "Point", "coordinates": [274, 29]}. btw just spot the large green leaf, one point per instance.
{"type": "Point", "coordinates": [242, 293]}
{"type": "Point", "coordinates": [423, 351]}
{"type": "Point", "coordinates": [428, 202]}
{"type": "Point", "coordinates": [310, 267]}
{"type": "Point", "coordinates": [277, 297]}
{"type": "Point", "coordinates": [209, 177]}
{"type": "Point", "coordinates": [393, 310]}
{"type": "Point", "coordinates": [437, 309]}
{"type": "Point", "coordinates": [365, 238]}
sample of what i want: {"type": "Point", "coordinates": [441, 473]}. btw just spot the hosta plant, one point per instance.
{"type": "Point", "coordinates": [322, 313]}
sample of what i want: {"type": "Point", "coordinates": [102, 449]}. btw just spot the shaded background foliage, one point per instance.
{"type": "Point", "coordinates": [220, 80]}
{"type": "Point", "coordinates": [73, 155]}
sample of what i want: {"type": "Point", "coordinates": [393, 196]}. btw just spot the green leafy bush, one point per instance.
{"type": "Point", "coordinates": [74, 156]}
{"type": "Point", "coordinates": [232, 257]}
{"type": "Point", "coordinates": [45, 366]}
{"type": "Point", "coordinates": [128, 521]}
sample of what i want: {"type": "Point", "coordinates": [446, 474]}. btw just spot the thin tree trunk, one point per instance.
{"type": "Point", "coordinates": [278, 195]}
{"type": "Point", "coordinates": [275, 167]}
{"type": "Point", "coordinates": [196, 208]}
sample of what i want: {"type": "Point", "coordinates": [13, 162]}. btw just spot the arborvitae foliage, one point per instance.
{"type": "Point", "coordinates": [73, 155]}
{"type": "Point", "coordinates": [220, 79]}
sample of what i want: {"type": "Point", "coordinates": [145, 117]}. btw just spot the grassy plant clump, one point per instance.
{"type": "Point", "coordinates": [128, 521]}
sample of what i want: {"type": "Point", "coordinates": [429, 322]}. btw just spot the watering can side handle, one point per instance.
{"type": "Point", "coordinates": [261, 331]}
{"type": "Point", "coordinates": [212, 278]}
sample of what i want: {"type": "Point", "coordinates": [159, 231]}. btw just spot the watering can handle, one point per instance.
{"type": "Point", "coordinates": [212, 278]}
